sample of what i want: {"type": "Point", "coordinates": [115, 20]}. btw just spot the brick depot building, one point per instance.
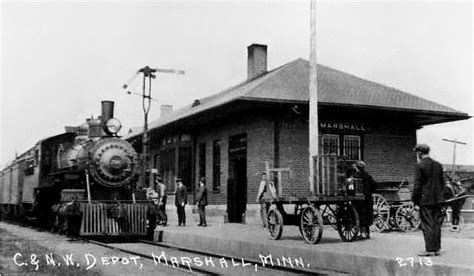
{"type": "Point", "coordinates": [228, 137]}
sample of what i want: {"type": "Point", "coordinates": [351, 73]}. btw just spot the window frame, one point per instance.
{"type": "Point", "coordinates": [338, 146]}
{"type": "Point", "coordinates": [216, 165]}
{"type": "Point", "coordinates": [359, 146]}
{"type": "Point", "coordinates": [341, 148]}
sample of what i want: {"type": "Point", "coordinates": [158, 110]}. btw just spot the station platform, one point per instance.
{"type": "Point", "coordinates": [392, 253]}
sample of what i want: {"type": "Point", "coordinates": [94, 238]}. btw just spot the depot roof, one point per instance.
{"type": "Point", "coordinates": [290, 84]}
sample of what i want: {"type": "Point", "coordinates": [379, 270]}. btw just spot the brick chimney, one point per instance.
{"type": "Point", "coordinates": [257, 61]}
{"type": "Point", "coordinates": [165, 110]}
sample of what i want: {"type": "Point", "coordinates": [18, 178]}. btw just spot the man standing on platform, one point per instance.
{"type": "Point", "coordinates": [181, 199]}
{"type": "Point", "coordinates": [201, 202]}
{"type": "Point", "coordinates": [266, 191]}
{"type": "Point", "coordinates": [428, 196]}
{"type": "Point", "coordinates": [161, 189]}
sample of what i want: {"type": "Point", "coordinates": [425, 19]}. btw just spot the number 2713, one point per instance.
{"type": "Point", "coordinates": [414, 261]}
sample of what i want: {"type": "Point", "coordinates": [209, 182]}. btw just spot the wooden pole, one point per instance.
{"type": "Point", "coordinates": [313, 100]}
{"type": "Point", "coordinates": [455, 142]}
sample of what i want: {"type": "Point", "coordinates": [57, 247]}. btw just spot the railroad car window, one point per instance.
{"type": "Point", "coordinates": [36, 157]}
{"type": "Point", "coordinates": [29, 167]}
{"type": "Point", "coordinates": [216, 166]}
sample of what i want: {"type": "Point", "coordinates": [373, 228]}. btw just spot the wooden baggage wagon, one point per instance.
{"type": "Point", "coordinates": [331, 204]}
{"type": "Point", "coordinates": [393, 208]}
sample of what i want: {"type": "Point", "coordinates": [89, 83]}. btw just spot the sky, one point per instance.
{"type": "Point", "coordinates": [60, 59]}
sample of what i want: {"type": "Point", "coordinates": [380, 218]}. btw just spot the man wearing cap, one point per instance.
{"type": "Point", "coordinates": [366, 207]}
{"type": "Point", "coordinates": [181, 199]}
{"type": "Point", "coordinates": [428, 196]}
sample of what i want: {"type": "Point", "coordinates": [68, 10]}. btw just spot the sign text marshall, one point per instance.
{"type": "Point", "coordinates": [341, 126]}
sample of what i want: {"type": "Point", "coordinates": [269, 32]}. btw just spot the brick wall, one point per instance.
{"type": "Point", "coordinates": [390, 158]}
{"type": "Point", "coordinates": [294, 153]}
{"type": "Point", "coordinates": [387, 147]}
{"type": "Point", "coordinates": [259, 149]}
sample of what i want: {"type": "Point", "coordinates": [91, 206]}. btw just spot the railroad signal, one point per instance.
{"type": "Point", "coordinates": [148, 73]}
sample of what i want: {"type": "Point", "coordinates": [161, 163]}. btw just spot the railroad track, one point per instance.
{"type": "Point", "coordinates": [195, 270]}
{"type": "Point", "coordinates": [253, 267]}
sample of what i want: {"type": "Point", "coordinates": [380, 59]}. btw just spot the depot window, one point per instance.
{"type": "Point", "coordinates": [348, 146]}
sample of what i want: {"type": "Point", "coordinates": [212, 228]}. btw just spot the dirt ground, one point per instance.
{"type": "Point", "coordinates": [25, 251]}
{"type": "Point", "coordinates": [17, 258]}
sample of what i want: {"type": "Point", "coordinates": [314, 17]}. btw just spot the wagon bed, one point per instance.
{"type": "Point", "coordinates": [330, 204]}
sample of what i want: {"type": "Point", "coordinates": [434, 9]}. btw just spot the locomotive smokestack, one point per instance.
{"type": "Point", "coordinates": [107, 111]}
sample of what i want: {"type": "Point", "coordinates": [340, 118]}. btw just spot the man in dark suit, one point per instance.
{"type": "Point", "coordinates": [201, 202]}
{"type": "Point", "coordinates": [181, 199]}
{"type": "Point", "coordinates": [428, 196]}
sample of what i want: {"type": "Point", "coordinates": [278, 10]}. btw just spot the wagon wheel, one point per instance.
{"type": "Point", "coordinates": [311, 224]}
{"type": "Point", "coordinates": [347, 222]}
{"type": "Point", "coordinates": [407, 218]}
{"type": "Point", "coordinates": [299, 224]}
{"type": "Point", "coordinates": [381, 213]}
{"type": "Point", "coordinates": [275, 224]}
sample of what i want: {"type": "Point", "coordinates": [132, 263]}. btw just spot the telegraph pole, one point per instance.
{"type": "Point", "coordinates": [455, 142]}
{"type": "Point", "coordinates": [148, 74]}
{"type": "Point", "coordinates": [313, 101]}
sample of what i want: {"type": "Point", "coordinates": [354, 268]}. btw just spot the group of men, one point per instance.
{"type": "Point", "coordinates": [157, 197]}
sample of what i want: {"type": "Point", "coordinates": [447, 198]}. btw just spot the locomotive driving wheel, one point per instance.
{"type": "Point", "coordinates": [347, 222]}
{"type": "Point", "coordinates": [311, 224]}
{"type": "Point", "coordinates": [381, 213]}
{"type": "Point", "coordinates": [275, 223]}
{"type": "Point", "coordinates": [407, 218]}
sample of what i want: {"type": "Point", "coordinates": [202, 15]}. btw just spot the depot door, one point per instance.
{"type": "Point", "coordinates": [237, 181]}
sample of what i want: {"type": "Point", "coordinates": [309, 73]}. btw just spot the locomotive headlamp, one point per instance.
{"type": "Point", "coordinates": [113, 126]}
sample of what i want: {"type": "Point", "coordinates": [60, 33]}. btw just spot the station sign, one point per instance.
{"type": "Point", "coordinates": [342, 127]}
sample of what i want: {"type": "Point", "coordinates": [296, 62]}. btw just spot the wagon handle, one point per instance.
{"type": "Point", "coordinates": [402, 184]}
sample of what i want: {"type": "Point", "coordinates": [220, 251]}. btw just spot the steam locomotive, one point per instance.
{"type": "Point", "coordinates": [82, 181]}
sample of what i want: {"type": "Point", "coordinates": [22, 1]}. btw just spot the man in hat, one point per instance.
{"type": "Point", "coordinates": [266, 191]}
{"type": "Point", "coordinates": [181, 199]}
{"type": "Point", "coordinates": [201, 201]}
{"type": "Point", "coordinates": [152, 196]}
{"type": "Point", "coordinates": [428, 196]}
